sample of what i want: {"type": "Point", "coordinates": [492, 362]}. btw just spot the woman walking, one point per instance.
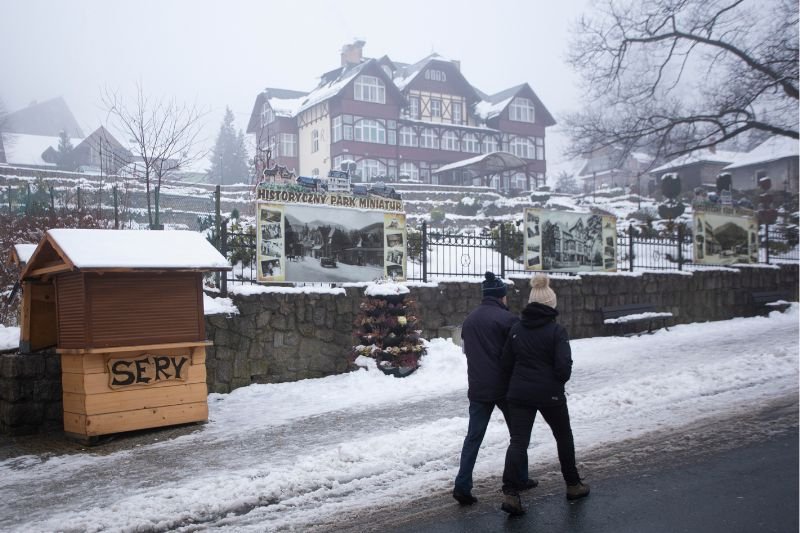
{"type": "Point", "coordinates": [537, 361]}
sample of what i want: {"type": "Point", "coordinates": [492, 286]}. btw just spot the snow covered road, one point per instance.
{"type": "Point", "coordinates": [288, 456]}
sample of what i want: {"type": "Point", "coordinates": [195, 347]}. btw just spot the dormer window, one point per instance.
{"type": "Point", "coordinates": [370, 89]}
{"type": "Point", "coordinates": [522, 110]}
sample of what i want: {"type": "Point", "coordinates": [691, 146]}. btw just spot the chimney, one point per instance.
{"type": "Point", "coordinates": [713, 147]}
{"type": "Point", "coordinates": [351, 53]}
{"type": "Point", "coordinates": [457, 63]}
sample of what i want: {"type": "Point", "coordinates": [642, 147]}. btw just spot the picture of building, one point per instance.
{"type": "Point", "coordinates": [569, 241]}
{"type": "Point", "coordinates": [396, 121]}
{"type": "Point", "coordinates": [721, 239]}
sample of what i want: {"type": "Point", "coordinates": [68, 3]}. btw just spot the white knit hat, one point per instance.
{"type": "Point", "coordinates": [541, 291]}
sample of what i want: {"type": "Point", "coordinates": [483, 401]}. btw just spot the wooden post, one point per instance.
{"type": "Point", "coordinates": [116, 208]}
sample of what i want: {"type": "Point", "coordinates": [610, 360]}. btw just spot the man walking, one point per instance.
{"type": "Point", "coordinates": [484, 334]}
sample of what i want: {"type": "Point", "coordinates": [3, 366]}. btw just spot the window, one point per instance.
{"type": "Point", "coordinates": [522, 110]}
{"type": "Point", "coordinates": [409, 170]}
{"type": "Point", "coordinates": [435, 75]}
{"type": "Point", "coordinates": [370, 131]}
{"type": "Point", "coordinates": [539, 142]}
{"type": "Point", "coordinates": [456, 112]}
{"type": "Point", "coordinates": [370, 89]}
{"type": "Point", "coordinates": [490, 144]}
{"type": "Point", "coordinates": [273, 146]}
{"type": "Point", "coordinates": [289, 144]}
{"type": "Point", "coordinates": [429, 139]}
{"type": "Point", "coordinates": [523, 147]}
{"type": "Point", "coordinates": [519, 181]}
{"type": "Point", "coordinates": [391, 137]}
{"type": "Point", "coordinates": [348, 132]}
{"type": "Point", "coordinates": [337, 129]}
{"type": "Point", "coordinates": [267, 115]}
{"type": "Point", "coordinates": [436, 108]}
{"type": "Point", "coordinates": [370, 169]}
{"type": "Point", "coordinates": [469, 143]}
{"type": "Point", "coordinates": [413, 106]}
{"type": "Point", "coordinates": [408, 137]}
{"type": "Point", "coordinates": [450, 141]}
{"type": "Point", "coordinates": [315, 141]}
{"type": "Point", "coordinates": [315, 172]}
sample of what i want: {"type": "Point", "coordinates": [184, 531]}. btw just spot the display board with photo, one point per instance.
{"type": "Point", "coordinates": [721, 239]}
{"type": "Point", "coordinates": [564, 241]}
{"type": "Point", "coordinates": [320, 243]}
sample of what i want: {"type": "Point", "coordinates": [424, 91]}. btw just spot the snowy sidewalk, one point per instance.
{"type": "Point", "coordinates": [294, 454]}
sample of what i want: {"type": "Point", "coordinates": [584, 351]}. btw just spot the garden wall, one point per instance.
{"type": "Point", "coordinates": [287, 334]}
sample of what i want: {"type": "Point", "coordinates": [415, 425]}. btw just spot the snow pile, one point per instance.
{"type": "Point", "coordinates": [9, 337]}
{"type": "Point", "coordinates": [219, 306]}
{"type": "Point", "coordinates": [248, 290]}
{"type": "Point", "coordinates": [636, 317]}
{"type": "Point", "coordinates": [385, 289]}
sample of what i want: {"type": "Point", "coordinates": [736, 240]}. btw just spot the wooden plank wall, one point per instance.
{"type": "Point", "coordinates": [92, 408]}
{"type": "Point", "coordinates": [71, 310]}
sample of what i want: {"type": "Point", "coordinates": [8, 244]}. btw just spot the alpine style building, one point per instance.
{"type": "Point", "coordinates": [395, 121]}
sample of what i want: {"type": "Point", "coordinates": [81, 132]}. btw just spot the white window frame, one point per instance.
{"type": "Point", "coordinates": [522, 110]}
{"type": "Point", "coordinates": [539, 145]}
{"type": "Point", "coordinates": [436, 110]}
{"type": "Point", "coordinates": [470, 144]}
{"type": "Point", "coordinates": [408, 136]}
{"type": "Point", "coordinates": [370, 89]}
{"type": "Point", "coordinates": [413, 106]}
{"type": "Point", "coordinates": [456, 112]}
{"type": "Point", "coordinates": [522, 147]}
{"type": "Point", "coordinates": [369, 169]}
{"type": "Point", "coordinates": [369, 131]}
{"type": "Point", "coordinates": [489, 144]}
{"type": "Point", "coordinates": [336, 129]}
{"type": "Point", "coordinates": [409, 170]}
{"type": "Point", "coordinates": [315, 141]}
{"type": "Point", "coordinates": [429, 139]}
{"type": "Point", "coordinates": [450, 141]}
{"type": "Point", "coordinates": [288, 144]}
{"type": "Point", "coordinates": [267, 114]}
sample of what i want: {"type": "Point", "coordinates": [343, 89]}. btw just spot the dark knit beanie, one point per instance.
{"type": "Point", "coordinates": [492, 286]}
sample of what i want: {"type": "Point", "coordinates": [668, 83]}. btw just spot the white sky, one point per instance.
{"type": "Point", "coordinates": [293, 455]}
{"type": "Point", "coordinates": [224, 53]}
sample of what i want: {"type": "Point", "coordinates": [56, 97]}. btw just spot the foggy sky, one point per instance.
{"type": "Point", "coordinates": [225, 52]}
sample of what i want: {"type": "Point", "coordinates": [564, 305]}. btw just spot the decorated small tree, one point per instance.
{"type": "Point", "coordinates": [386, 329]}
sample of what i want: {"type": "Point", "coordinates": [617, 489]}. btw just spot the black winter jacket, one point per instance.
{"type": "Point", "coordinates": [537, 360]}
{"type": "Point", "coordinates": [484, 333]}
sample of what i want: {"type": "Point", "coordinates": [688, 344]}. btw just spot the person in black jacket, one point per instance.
{"type": "Point", "coordinates": [484, 334]}
{"type": "Point", "coordinates": [537, 362]}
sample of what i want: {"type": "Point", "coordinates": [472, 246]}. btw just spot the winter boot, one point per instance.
{"type": "Point", "coordinates": [512, 505]}
{"type": "Point", "coordinates": [529, 484]}
{"type": "Point", "coordinates": [464, 498]}
{"type": "Point", "coordinates": [578, 490]}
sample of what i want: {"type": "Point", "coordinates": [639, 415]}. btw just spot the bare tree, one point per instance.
{"type": "Point", "coordinates": [164, 136]}
{"type": "Point", "coordinates": [673, 76]}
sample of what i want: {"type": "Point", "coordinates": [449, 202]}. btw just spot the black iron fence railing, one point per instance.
{"type": "Point", "coordinates": [438, 255]}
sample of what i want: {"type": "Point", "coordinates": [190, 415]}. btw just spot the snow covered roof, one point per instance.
{"type": "Point", "coordinates": [24, 149]}
{"type": "Point", "coordinates": [286, 107]}
{"type": "Point", "coordinates": [485, 164]}
{"type": "Point", "coordinates": [772, 149]}
{"type": "Point", "coordinates": [100, 249]}
{"type": "Point", "coordinates": [22, 253]}
{"type": "Point", "coordinates": [698, 156]}
{"type": "Point", "coordinates": [407, 74]}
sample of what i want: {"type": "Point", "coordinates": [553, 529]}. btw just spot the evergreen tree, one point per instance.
{"type": "Point", "coordinates": [64, 151]}
{"type": "Point", "coordinates": [229, 156]}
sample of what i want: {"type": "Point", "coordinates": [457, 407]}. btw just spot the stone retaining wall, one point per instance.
{"type": "Point", "coordinates": [30, 393]}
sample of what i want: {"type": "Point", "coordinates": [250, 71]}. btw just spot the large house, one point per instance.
{"type": "Point", "coordinates": [401, 121]}
{"type": "Point", "coordinates": [697, 168]}
{"type": "Point", "coordinates": [776, 158]}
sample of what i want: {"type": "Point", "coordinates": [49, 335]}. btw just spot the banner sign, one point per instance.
{"type": "Point", "coordinates": [336, 200]}
{"type": "Point", "coordinates": [569, 242]}
{"type": "Point", "coordinates": [721, 239]}
{"type": "Point", "coordinates": [322, 242]}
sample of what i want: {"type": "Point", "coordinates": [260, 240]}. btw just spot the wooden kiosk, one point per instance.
{"type": "Point", "coordinates": [125, 311]}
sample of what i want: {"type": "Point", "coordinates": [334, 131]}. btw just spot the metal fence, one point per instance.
{"type": "Point", "coordinates": [437, 255]}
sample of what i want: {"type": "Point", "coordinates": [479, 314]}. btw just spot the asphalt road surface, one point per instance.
{"type": "Point", "coordinates": [730, 475]}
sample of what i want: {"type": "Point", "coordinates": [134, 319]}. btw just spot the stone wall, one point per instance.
{"type": "Point", "coordinates": [30, 393]}
{"type": "Point", "coordinates": [285, 337]}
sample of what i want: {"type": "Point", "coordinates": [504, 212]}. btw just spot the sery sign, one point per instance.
{"type": "Point", "coordinates": [147, 370]}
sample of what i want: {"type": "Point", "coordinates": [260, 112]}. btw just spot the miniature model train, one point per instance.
{"type": "Point", "coordinates": [339, 181]}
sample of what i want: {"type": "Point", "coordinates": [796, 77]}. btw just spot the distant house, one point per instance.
{"type": "Point", "coordinates": [100, 152]}
{"type": "Point", "coordinates": [605, 168]}
{"type": "Point", "coordinates": [776, 158]}
{"type": "Point", "coordinates": [697, 168]}
{"type": "Point", "coordinates": [46, 119]}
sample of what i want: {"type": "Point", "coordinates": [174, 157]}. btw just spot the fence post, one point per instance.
{"type": "Point", "coordinates": [224, 251]}
{"type": "Point", "coordinates": [116, 208]}
{"type": "Point", "coordinates": [52, 200]}
{"type": "Point", "coordinates": [28, 199]}
{"type": "Point", "coordinates": [79, 199]}
{"type": "Point", "coordinates": [502, 250]}
{"type": "Point", "coordinates": [10, 194]}
{"type": "Point", "coordinates": [424, 242]}
{"type": "Point", "coordinates": [680, 247]}
{"type": "Point", "coordinates": [766, 241]}
{"type": "Point", "coordinates": [217, 216]}
{"type": "Point", "coordinates": [630, 246]}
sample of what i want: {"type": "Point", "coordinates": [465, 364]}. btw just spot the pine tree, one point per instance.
{"type": "Point", "coordinates": [229, 156]}
{"type": "Point", "coordinates": [64, 151]}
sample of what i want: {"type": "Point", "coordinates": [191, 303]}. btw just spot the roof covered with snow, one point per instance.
{"type": "Point", "coordinates": [698, 156]}
{"type": "Point", "coordinates": [772, 149]}
{"type": "Point", "coordinates": [24, 149]}
{"type": "Point", "coordinates": [24, 252]}
{"type": "Point", "coordinates": [132, 249]}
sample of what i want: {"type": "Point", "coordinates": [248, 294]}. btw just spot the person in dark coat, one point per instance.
{"type": "Point", "coordinates": [537, 362]}
{"type": "Point", "coordinates": [483, 335]}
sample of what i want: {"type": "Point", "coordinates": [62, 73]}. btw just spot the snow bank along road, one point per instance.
{"type": "Point", "coordinates": [297, 455]}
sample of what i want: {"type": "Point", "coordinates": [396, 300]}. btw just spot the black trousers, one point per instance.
{"type": "Point", "coordinates": [520, 424]}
